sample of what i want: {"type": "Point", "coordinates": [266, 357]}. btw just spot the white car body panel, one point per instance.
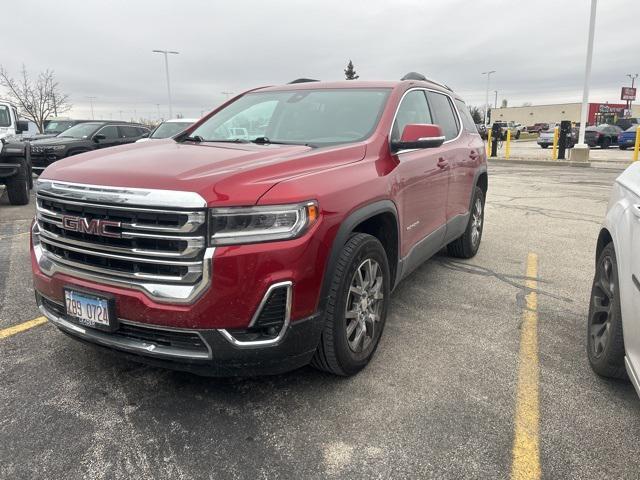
{"type": "Point", "coordinates": [623, 224]}
{"type": "Point", "coordinates": [173, 120]}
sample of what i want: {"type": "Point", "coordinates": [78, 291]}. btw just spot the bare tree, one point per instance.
{"type": "Point", "coordinates": [37, 99]}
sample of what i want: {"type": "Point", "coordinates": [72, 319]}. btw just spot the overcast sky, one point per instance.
{"type": "Point", "coordinates": [103, 49]}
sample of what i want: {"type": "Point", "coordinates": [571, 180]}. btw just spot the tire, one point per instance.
{"type": "Point", "coordinates": [338, 352]}
{"type": "Point", "coordinates": [606, 143]}
{"type": "Point", "coordinates": [544, 146]}
{"type": "Point", "coordinates": [467, 245]}
{"type": "Point", "coordinates": [518, 135]}
{"type": "Point", "coordinates": [18, 187]}
{"type": "Point", "coordinates": [622, 147]}
{"type": "Point", "coordinates": [605, 343]}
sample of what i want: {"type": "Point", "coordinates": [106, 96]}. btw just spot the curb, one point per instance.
{"type": "Point", "coordinates": [550, 163]}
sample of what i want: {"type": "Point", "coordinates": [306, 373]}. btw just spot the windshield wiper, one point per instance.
{"type": "Point", "coordinates": [266, 141]}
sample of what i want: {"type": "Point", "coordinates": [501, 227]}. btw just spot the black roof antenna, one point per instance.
{"type": "Point", "coordinates": [414, 76]}
{"type": "Point", "coordinates": [419, 76]}
{"type": "Point", "coordinates": [303, 80]}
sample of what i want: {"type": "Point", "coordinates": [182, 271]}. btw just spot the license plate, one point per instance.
{"type": "Point", "coordinates": [90, 310]}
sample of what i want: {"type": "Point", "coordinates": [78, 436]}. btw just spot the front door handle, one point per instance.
{"type": "Point", "coordinates": [442, 163]}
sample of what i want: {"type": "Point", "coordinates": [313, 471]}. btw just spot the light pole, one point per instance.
{"type": "Point", "coordinates": [633, 77]}
{"type": "Point", "coordinates": [486, 99]}
{"type": "Point", "coordinates": [166, 67]}
{"type": "Point", "coordinates": [158, 105]}
{"type": "Point", "coordinates": [91, 99]}
{"type": "Point", "coordinates": [496, 101]}
{"type": "Point", "coordinates": [587, 74]}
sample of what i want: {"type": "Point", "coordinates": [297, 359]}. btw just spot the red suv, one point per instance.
{"type": "Point", "coordinates": [267, 236]}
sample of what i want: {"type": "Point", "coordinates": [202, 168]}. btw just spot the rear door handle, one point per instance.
{"type": "Point", "coordinates": [442, 163]}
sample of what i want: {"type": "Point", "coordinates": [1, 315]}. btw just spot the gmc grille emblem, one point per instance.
{"type": "Point", "coordinates": [92, 227]}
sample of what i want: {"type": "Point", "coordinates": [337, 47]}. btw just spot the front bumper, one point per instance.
{"type": "Point", "coordinates": [210, 354]}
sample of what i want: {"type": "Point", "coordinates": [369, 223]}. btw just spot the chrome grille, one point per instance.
{"type": "Point", "coordinates": [151, 244]}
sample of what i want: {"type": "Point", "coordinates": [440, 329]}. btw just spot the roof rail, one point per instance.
{"type": "Point", "coordinates": [419, 76]}
{"type": "Point", "coordinates": [303, 80]}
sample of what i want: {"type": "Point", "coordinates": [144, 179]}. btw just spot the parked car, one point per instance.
{"type": "Point", "coordinates": [627, 139]}
{"type": "Point", "coordinates": [54, 128]}
{"type": "Point", "coordinates": [10, 124]}
{"type": "Point", "coordinates": [613, 337]}
{"type": "Point", "coordinates": [602, 136]}
{"type": "Point", "coordinates": [82, 138]}
{"type": "Point", "coordinates": [509, 126]}
{"type": "Point", "coordinates": [15, 170]}
{"type": "Point", "coordinates": [626, 123]}
{"type": "Point", "coordinates": [537, 128]}
{"type": "Point", "coordinates": [223, 256]}
{"type": "Point", "coordinates": [482, 130]}
{"type": "Point", "coordinates": [169, 128]}
{"type": "Point", "coordinates": [545, 139]}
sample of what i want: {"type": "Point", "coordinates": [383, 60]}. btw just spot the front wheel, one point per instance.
{"type": "Point", "coordinates": [356, 308]}
{"type": "Point", "coordinates": [18, 187]}
{"type": "Point", "coordinates": [606, 143]}
{"type": "Point", "coordinates": [467, 245]}
{"type": "Point", "coordinates": [605, 344]}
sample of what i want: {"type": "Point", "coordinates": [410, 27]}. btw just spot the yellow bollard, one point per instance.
{"type": "Point", "coordinates": [507, 150]}
{"type": "Point", "coordinates": [554, 154]}
{"type": "Point", "coordinates": [489, 143]}
{"type": "Point", "coordinates": [636, 148]}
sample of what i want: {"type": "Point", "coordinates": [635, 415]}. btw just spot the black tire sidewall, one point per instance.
{"type": "Point", "coordinates": [613, 355]}
{"type": "Point", "coordinates": [350, 361]}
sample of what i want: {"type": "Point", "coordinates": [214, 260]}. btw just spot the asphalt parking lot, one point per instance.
{"type": "Point", "coordinates": [444, 397]}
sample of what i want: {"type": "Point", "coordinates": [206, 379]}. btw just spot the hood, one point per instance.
{"type": "Point", "coordinates": [630, 178]}
{"type": "Point", "coordinates": [223, 174]}
{"type": "Point", "coordinates": [46, 142]}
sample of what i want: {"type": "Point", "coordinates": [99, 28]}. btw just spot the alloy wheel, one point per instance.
{"type": "Point", "coordinates": [364, 305]}
{"type": "Point", "coordinates": [602, 299]}
{"type": "Point", "coordinates": [476, 222]}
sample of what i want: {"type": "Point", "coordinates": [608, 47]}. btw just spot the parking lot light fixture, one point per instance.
{"type": "Point", "coordinates": [166, 54]}
{"type": "Point", "coordinates": [486, 99]}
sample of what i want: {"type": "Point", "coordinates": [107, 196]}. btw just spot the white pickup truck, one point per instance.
{"type": "Point", "coordinates": [15, 156]}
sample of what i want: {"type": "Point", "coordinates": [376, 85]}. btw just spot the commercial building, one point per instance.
{"type": "Point", "coordinates": [528, 115]}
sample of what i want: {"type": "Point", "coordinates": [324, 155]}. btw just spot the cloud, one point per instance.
{"type": "Point", "coordinates": [103, 49]}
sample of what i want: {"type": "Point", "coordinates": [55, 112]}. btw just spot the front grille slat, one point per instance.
{"type": "Point", "coordinates": [152, 244]}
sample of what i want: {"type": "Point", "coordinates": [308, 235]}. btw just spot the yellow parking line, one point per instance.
{"type": "Point", "coordinates": [21, 327]}
{"type": "Point", "coordinates": [526, 441]}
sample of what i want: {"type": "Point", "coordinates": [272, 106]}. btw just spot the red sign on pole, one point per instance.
{"type": "Point", "coordinates": [628, 93]}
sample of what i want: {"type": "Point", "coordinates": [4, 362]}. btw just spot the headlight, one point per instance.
{"type": "Point", "coordinates": [229, 226]}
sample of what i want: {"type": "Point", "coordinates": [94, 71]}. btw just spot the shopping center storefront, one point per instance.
{"type": "Point", "coordinates": [598, 113]}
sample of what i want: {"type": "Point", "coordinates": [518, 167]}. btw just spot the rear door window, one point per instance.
{"type": "Point", "coordinates": [129, 132]}
{"type": "Point", "coordinates": [413, 109]}
{"type": "Point", "coordinates": [443, 114]}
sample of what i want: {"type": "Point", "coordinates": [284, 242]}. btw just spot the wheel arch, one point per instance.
{"type": "Point", "coordinates": [379, 219]}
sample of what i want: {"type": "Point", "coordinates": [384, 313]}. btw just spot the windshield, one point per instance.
{"type": "Point", "coordinates": [58, 127]}
{"type": "Point", "coordinates": [311, 117]}
{"type": "Point", "coordinates": [82, 130]}
{"type": "Point", "coordinates": [169, 129]}
{"type": "Point", "coordinates": [5, 118]}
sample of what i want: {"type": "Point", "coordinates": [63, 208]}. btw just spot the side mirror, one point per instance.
{"type": "Point", "coordinates": [419, 135]}
{"type": "Point", "coordinates": [22, 126]}
{"type": "Point", "coordinates": [98, 137]}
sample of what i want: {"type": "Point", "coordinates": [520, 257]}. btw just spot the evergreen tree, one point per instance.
{"type": "Point", "coordinates": [350, 72]}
